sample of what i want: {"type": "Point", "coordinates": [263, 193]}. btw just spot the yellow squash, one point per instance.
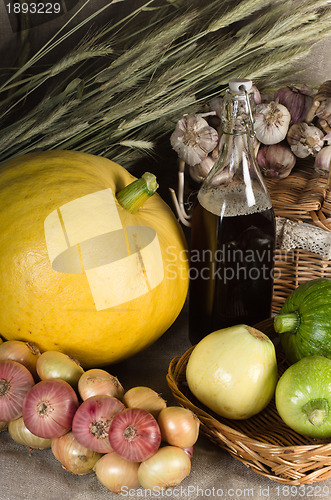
{"type": "Point", "coordinates": [78, 272]}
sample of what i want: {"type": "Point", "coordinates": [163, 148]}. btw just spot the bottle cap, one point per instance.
{"type": "Point", "coordinates": [236, 85]}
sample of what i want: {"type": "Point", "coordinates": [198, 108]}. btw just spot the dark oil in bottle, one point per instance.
{"type": "Point", "coordinates": [231, 269]}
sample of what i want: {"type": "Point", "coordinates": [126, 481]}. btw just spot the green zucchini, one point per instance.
{"type": "Point", "coordinates": [304, 322]}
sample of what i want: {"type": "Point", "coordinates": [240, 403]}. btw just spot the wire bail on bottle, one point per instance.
{"type": "Point", "coordinates": [236, 86]}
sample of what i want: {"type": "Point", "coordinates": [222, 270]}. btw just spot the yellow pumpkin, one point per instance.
{"type": "Point", "coordinates": [78, 272]}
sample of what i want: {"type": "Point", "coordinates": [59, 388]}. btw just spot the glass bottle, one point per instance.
{"type": "Point", "coordinates": [233, 229]}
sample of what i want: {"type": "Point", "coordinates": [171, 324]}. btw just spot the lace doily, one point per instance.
{"type": "Point", "coordinates": [290, 235]}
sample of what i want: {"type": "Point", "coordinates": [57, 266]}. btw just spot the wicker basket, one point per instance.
{"type": "Point", "coordinates": [263, 442]}
{"type": "Point", "coordinates": [303, 196]}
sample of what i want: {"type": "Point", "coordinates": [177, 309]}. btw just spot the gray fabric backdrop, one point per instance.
{"type": "Point", "coordinates": [37, 474]}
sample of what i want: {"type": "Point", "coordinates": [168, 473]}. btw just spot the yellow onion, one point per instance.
{"type": "Point", "coordinates": [53, 364]}
{"type": "Point", "coordinates": [74, 457]}
{"type": "Point", "coordinates": [233, 371]}
{"type": "Point", "coordinates": [116, 473]}
{"type": "Point", "coordinates": [97, 382]}
{"type": "Point", "coordinates": [21, 435]}
{"type": "Point", "coordinates": [144, 398]}
{"type": "Point", "coordinates": [23, 352]}
{"type": "Point", "coordinates": [166, 469]}
{"type": "Point", "coordinates": [179, 426]}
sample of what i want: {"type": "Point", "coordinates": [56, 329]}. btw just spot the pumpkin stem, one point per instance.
{"type": "Point", "coordinates": [133, 196]}
{"type": "Point", "coordinates": [286, 322]}
{"type": "Point", "coordinates": [316, 410]}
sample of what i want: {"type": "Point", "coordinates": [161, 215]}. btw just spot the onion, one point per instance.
{"type": "Point", "coordinates": [144, 398]}
{"type": "Point", "coordinates": [116, 473]}
{"type": "Point", "coordinates": [189, 451]}
{"type": "Point", "coordinates": [167, 468]}
{"type": "Point", "coordinates": [179, 426]}
{"type": "Point", "coordinates": [53, 364]}
{"type": "Point", "coordinates": [91, 422]}
{"type": "Point", "coordinates": [233, 371]}
{"type": "Point", "coordinates": [21, 435]}
{"type": "Point", "coordinates": [73, 456]}
{"type": "Point", "coordinates": [134, 434]}
{"type": "Point", "coordinates": [98, 382]}
{"type": "Point", "coordinates": [23, 352]}
{"type": "Point", "coordinates": [49, 407]}
{"type": "Point", "coordinates": [15, 382]}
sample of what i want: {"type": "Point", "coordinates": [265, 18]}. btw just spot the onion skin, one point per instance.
{"type": "Point", "coordinates": [23, 352]}
{"type": "Point", "coordinates": [15, 382]}
{"type": "Point", "coordinates": [116, 473]}
{"type": "Point", "coordinates": [21, 435]}
{"type": "Point", "coordinates": [3, 426]}
{"type": "Point", "coordinates": [233, 371]}
{"type": "Point", "coordinates": [54, 364]}
{"type": "Point", "coordinates": [134, 434]}
{"type": "Point", "coordinates": [91, 422]}
{"type": "Point", "coordinates": [144, 398]}
{"type": "Point", "coordinates": [74, 457]}
{"type": "Point", "coordinates": [179, 426]}
{"type": "Point", "coordinates": [49, 408]}
{"type": "Point", "coordinates": [96, 382]}
{"type": "Point", "coordinates": [167, 468]}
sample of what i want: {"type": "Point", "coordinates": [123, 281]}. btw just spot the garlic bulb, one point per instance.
{"type": "Point", "coordinates": [323, 159]}
{"type": "Point", "coordinates": [271, 122]}
{"type": "Point", "coordinates": [305, 139]}
{"type": "Point", "coordinates": [276, 160]}
{"type": "Point", "coordinates": [322, 104]}
{"type": "Point", "coordinates": [199, 172]}
{"type": "Point", "coordinates": [193, 139]}
{"type": "Point", "coordinates": [297, 101]}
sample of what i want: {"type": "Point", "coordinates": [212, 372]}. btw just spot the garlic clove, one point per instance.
{"type": "Point", "coordinates": [321, 106]}
{"type": "Point", "coordinates": [199, 172]}
{"type": "Point", "coordinates": [257, 95]}
{"type": "Point", "coordinates": [271, 122]}
{"type": "Point", "coordinates": [305, 139]}
{"type": "Point", "coordinates": [275, 160]}
{"type": "Point", "coordinates": [193, 139]}
{"type": "Point", "coordinates": [323, 159]}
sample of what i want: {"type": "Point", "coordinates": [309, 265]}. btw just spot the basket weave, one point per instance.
{"type": "Point", "coordinates": [263, 442]}
{"type": "Point", "coordinates": [303, 196]}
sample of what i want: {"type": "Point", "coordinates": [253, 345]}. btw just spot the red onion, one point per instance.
{"type": "Point", "coordinates": [91, 422]}
{"type": "Point", "coordinates": [49, 407]}
{"type": "Point", "coordinates": [189, 451]}
{"type": "Point", "coordinates": [134, 434]}
{"type": "Point", "coordinates": [15, 382]}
